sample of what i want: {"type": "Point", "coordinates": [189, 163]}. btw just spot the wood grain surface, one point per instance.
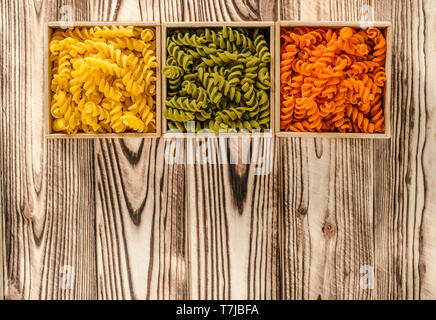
{"type": "Point", "coordinates": [48, 186]}
{"type": "Point", "coordinates": [141, 250]}
{"type": "Point", "coordinates": [140, 221]}
{"type": "Point", "coordinates": [327, 198]}
{"type": "Point", "coordinates": [233, 219]}
{"type": "Point", "coordinates": [404, 202]}
{"type": "Point", "coordinates": [232, 214]}
{"type": "Point", "coordinates": [114, 219]}
{"type": "Point", "coordinates": [378, 189]}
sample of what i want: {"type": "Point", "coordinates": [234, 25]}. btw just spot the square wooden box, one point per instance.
{"type": "Point", "coordinates": [386, 27]}
{"type": "Point", "coordinates": [245, 24]}
{"type": "Point", "coordinates": [47, 116]}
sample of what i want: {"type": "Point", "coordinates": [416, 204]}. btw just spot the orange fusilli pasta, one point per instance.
{"type": "Point", "coordinates": [332, 80]}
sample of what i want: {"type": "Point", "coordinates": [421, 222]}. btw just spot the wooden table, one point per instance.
{"type": "Point", "coordinates": [110, 219]}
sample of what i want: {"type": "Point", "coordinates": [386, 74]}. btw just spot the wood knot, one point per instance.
{"type": "Point", "coordinates": [328, 228]}
{"type": "Point", "coordinates": [302, 211]}
{"type": "Point", "coordinates": [239, 183]}
{"type": "Point", "coordinates": [12, 292]}
{"type": "Point", "coordinates": [28, 212]}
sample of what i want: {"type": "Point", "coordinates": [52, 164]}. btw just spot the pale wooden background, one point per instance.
{"type": "Point", "coordinates": [115, 212]}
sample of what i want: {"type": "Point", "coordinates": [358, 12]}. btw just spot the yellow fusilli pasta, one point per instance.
{"type": "Point", "coordinates": [103, 79]}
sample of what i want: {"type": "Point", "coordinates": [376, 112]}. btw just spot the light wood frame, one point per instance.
{"type": "Point", "coordinates": [387, 29]}
{"type": "Point", "coordinates": [47, 116]}
{"type": "Point", "coordinates": [244, 24]}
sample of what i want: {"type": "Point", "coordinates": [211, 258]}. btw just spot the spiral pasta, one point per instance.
{"type": "Point", "coordinates": [332, 80]}
{"type": "Point", "coordinates": [103, 79]}
{"type": "Point", "coordinates": [218, 79]}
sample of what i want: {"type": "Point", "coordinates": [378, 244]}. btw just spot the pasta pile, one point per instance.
{"type": "Point", "coordinates": [103, 79]}
{"type": "Point", "coordinates": [217, 80]}
{"type": "Point", "coordinates": [332, 80]}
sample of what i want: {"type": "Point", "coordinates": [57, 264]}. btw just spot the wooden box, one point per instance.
{"type": "Point", "coordinates": [246, 24]}
{"type": "Point", "coordinates": [387, 30]}
{"type": "Point", "coordinates": [49, 133]}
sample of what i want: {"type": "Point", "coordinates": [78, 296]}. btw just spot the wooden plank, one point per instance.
{"type": "Point", "coordinates": [218, 10]}
{"type": "Point", "coordinates": [47, 186]}
{"type": "Point", "coordinates": [140, 204]}
{"type": "Point", "coordinates": [140, 220]}
{"type": "Point", "coordinates": [305, 230]}
{"type": "Point", "coordinates": [427, 184]}
{"type": "Point", "coordinates": [233, 221]}
{"type": "Point", "coordinates": [404, 186]}
{"type": "Point", "coordinates": [326, 197]}
{"type": "Point", "coordinates": [232, 212]}
{"type": "Point", "coordinates": [326, 209]}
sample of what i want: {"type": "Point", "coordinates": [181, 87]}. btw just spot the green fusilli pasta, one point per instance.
{"type": "Point", "coordinates": [217, 79]}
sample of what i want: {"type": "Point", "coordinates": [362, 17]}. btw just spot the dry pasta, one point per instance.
{"type": "Point", "coordinates": [103, 79]}
{"type": "Point", "coordinates": [332, 80]}
{"type": "Point", "coordinates": [218, 80]}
